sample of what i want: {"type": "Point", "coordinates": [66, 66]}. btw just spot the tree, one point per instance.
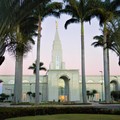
{"type": "Point", "coordinates": [29, 93]}
{"type": "Point", "coordinates": [115, 95]}
{"type": "Point", "coordinates": [113, 36]}
{"type": "Point", "coordinates": [79, 10]}
{"type": "Point", "coordinates": [44, 10]}
{"type": "Point", "coordinates": [8, 12]}
{"type": "Point", "coordinates": [20, 40]}
{"type": "Point", "coordinates": [114, 30]}
{"type": "Point", "coordinates": [88, 94]}
{"type": "Point", "coordinates": [33, 67]}
{"type": "Point", "coordinates": [12, 14]}
{"type": "Point", "coordinates": [93, 93]}
{"type": "Point", "coordinates": [3, 97]}
{"type": "Point", "coordinates": [105, 11]}
{"type": "Point", "coordinates": [2, 51]}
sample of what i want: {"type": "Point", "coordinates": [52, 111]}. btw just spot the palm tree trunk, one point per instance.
{"type": "Point", "coordinates": [18, 72]}
{"type": "Point", "coordinates": [37, 63]}
{"type": "Point", "coordinates": [83, 65]}
{"type": "Point", "coordinates": [106, 71]}
{"type": "Point", "coordinates": [18, 78]}
{"type": "Point", "coordinates": [108, 65]}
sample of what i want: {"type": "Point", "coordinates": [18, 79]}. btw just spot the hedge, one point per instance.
{"type": "Point", "coordinates": [10, 112]}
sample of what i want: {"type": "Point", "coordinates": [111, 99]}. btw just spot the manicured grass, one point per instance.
{"type": "Point", "coordinates": [70, 117]}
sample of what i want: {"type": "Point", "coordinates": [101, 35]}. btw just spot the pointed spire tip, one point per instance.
{"type": "Point", "coordinates": [56, 25]}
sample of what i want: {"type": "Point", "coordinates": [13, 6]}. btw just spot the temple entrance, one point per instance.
{"type": "Point", "coordinates": [63, 89]}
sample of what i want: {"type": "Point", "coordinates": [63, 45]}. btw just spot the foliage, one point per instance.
{"type": "Point", "coordinates": [91, 94]}
{"type": "Point", "coordinates": [3, 97]}
{"type": "Point", "coordinates": [33, 95]}
{"type": "Point", "coordinates": [33, 67]}
{"type": "Point", "coordinates": [79, 11]}
{"type": "Point", "coordinates": [32, 111]}
{"type": "Point", "coordinates": [11, 14]}
{"type": "Point", "coordinates": [29, 93]}
{"type": "Point", "coordinates": [115, 95]}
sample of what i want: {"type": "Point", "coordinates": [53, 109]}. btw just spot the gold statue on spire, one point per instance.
{"type": "Point", "coordinates": [56, 25]}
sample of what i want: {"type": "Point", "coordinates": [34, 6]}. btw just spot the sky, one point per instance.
{"type": "Point", "coordinates": [71, 46]}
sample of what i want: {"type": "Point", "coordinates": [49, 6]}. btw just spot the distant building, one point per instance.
{"type": "Point", "coordinates": [59, 83]}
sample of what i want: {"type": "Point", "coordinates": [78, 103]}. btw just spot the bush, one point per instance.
{"type": "Point", "coordinates": [32, 111]}
{"type": "Point", "coordinates": [115, 95]}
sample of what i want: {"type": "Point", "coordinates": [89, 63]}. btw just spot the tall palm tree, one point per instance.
{"type": "Point", "coordinates": [20, 37]}
{"type": "Point", "coordinates": [12, 13]}
{"type": "Point", "coordinates": [114, 29]}
{"type": "Point", "coordinates": [44, 10]}
{"type": "Point", "coordinates": [33, 67]}
{"type": "Point", "coordinates": [99, 43]}
{"type": "Point", "coordinates": [22, 44]}
{"type": "Point", "coordinates": [79, 10]}
{"type": "Point", "coordinates": [20, 11]}
{"type": "Point", "coordinates": [105, 11]}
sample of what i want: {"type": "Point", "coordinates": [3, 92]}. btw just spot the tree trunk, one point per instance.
{"type": "Point", "coordinates": [18, 78]}
{"type": "Point", "coordinates": [106, 71]}
{"type": "Point", "coordinates": [83, 65]}
{"type": "Point", "coordinates": [37, 63]}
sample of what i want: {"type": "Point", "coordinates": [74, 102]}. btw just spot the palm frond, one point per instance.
{"type": "Point", "coordinates": [72, 20]}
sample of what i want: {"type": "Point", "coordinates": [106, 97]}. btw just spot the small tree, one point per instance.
{"type": "Point", "coordinates": [93, 93]}
{"type": "Point", "coordinates": [33, 67]}
{"type": "Point", "coordinates": [88, 94]}
{"type": "Point", "coordinates": [3, 97]}
{"type": "Point", "coordinates": [115, 95]}
{"type": "Point", "coordinates": [29, 93]}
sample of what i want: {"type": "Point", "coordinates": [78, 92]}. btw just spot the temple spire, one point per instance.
{"type": "Point", "coordinates": [56, 62]}
{"type": "Point", "coordinates": [56, 25]}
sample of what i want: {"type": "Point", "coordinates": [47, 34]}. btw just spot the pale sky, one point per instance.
{"type": "Point", "coordinates": [70, 40]}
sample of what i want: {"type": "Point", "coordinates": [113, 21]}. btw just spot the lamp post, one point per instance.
{"type": "Point", "coordinates": [101, 86]}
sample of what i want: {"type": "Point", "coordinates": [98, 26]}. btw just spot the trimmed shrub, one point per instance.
{"type": "Point", "coordinates": [9, 112]}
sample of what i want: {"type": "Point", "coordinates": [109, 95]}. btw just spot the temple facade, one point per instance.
{"type": "Point", "coordinates": [59, 83]}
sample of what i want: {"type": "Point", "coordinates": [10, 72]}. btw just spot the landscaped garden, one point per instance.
{"type": "Point", "coordinates": [70, 117]}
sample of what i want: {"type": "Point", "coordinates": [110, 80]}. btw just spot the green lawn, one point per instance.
{"type": "Point", "coordinates": [70, 117]}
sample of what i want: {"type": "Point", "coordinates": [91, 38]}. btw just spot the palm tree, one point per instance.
{"type": "Point", "coordinates": [29, 93]}
{"type": "Point", "coordinates": [2, 51]}
{"type": "Point", "coordinates": [23, 40]}
{"type": "Point", "coordinates": [12, 14]}
{"type": "Point", "coordinates": [20, 43]}
{"type": "Point", "coordinates": [114, 29]}
{"type": "Point", "coordinates": [93, 93]}
{"type": "Point", "coordinates": [99, 43]}
{"type": "Point", "coordinates": [44, 9]}
{"type": "Point", "coordinates": [105, 11]}
{"type": "Point", "coordinates": [33, 67]}
{"type": "Point", "coordinates": [88, 94]}
{"type": "Point", "coordinates": [79, 10]}
{"type": "Point", "coordinates": [8, 12]}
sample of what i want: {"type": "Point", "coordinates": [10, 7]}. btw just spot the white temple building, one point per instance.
{"type": "Point", "coordinates": [59, 83]}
